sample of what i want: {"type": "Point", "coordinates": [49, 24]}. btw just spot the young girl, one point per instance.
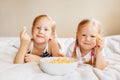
{"type": "Point", "coordinates": [88, 45]}
{"type": "Point", "coordinates": [42, 44]}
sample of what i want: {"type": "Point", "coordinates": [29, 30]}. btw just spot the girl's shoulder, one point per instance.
{"type": "Point", "coordinates": [72, 44]}
{"type": "Point", "coordinates": [53, 45]}
{"type": "Point", "coordinates": [52, 42]}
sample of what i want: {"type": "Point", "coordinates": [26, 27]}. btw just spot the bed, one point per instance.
{"type": "Point", "coordinates": [32, 71]}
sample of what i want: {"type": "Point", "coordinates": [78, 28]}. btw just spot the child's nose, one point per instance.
{"type": "Point", "coordinates": [41, 31]}
{"type": "Point", "coordinates": [88, 38]}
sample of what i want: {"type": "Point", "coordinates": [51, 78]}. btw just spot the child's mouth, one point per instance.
{"type": "Point", "coordinates": [40, 36]}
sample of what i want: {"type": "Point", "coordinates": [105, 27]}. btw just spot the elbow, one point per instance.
{"type": "Point", "coordinates": [101, 67]}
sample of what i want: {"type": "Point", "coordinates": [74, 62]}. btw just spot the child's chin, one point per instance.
{"type": "Point", "coordinates": [40, 41]}
{"type": "Point", "coordinates": [87, 48]}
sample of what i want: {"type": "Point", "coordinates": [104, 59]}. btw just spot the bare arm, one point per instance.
{"type": "Point", "coordinates": [32, 58]}
{"type": "Point", "coordinates": [24, 45]}
{"type": "Point", "coordinates": [54, 48]}
{"type": "Point", "coordinates": [100, 61]}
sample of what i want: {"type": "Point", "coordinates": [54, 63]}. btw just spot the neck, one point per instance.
{"type": "Point", "coordinates": [38, 49]}
{"type": "Point", "coordinates": [84, 52]}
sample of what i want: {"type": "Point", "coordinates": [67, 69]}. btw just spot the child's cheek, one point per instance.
{"type": "Point", "coordinates": [94, 43]}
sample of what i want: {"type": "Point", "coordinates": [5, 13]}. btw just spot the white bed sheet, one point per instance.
{"type": "Point", "coordinates": [32, 71]}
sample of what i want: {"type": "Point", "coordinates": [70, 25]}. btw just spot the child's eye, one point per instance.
{"type": "Point", "coordinates": [83, 35]}
{"type": "Point", "coordinates": [37, 27]}
{"type": "Point", "coordinates": [93, 36]}
{"type": "Point", "coordinates": [46, 29]}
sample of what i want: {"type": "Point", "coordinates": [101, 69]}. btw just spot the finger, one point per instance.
{"type": "Point", "coordinates": [24, 28]}
{"type": "Point", "coordinates": [27, 55]}
{"type": "Point", "coordinates": [27, 36]}
{"type": "Point", "coordinates": [98, 43]}
{"type": "Point", "coordinates": [23, 31]}
{"type": "Point", "coordinates": [27, 59]}
{"type": "Point", "coordinates": [99, 37]}
{"type": "Point", "coordinates": [61, 55]}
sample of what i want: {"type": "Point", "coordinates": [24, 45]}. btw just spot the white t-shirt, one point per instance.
{"type": "Point", "coordinates": [70, 50]}
{"type": "Point", "coordinates": [45, 50]}
{"type": "Point", "coordinates": [31, 48]}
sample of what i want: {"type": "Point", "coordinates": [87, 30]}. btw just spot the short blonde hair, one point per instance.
{"type": "Point", "coordinates": [89, 21]}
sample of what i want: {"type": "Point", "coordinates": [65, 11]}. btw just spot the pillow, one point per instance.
{"type": "Point", "coordinates": [64, 43]}
{"type": "Point", "coordinates": [113, 43]}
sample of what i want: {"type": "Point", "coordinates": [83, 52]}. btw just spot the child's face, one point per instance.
{"type": "Point", "coordinates": [87, 37]}
{"type": "Point", "coordinates": [42, 31]}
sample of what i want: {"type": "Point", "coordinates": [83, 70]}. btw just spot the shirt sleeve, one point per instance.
{"type": "Point", "coordinates": [70, 49]}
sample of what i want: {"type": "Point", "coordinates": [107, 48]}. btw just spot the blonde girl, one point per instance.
{"type": "Point", "coordinates": [89, 44]}
{"type": "Point", "coordinates": [42, 44]}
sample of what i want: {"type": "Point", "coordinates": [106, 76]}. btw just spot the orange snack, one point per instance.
{"type": "Point", "coordinates": [99, 37]}
{"type": "Point", "coordinates": [23, 28]}
{"type": "Point", "coordinates": [61, 60]}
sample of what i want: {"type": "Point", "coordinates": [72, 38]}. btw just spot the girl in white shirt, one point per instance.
{"type": "Point", "coordinates": [42, 44]}
{"type": "Point", "coordinates": [88, 45]}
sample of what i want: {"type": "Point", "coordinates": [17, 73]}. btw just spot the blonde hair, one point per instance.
{"type": "Point", "coordinates": [49, 18]}
{"type": "Point", "coordinates": [83, 24]}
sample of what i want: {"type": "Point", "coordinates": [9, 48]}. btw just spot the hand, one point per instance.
{"type": "Point", "coordinates": [31, 58]}
{"type": "Point", "coordinates": [99, 44]}
{"type": "Point", "coordinates": [25, 38]}
{"type": "Point", "coordinates": [58, 55]}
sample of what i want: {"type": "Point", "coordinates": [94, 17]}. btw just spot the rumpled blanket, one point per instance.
{"type": "Point", "coordinates": [32, 71]}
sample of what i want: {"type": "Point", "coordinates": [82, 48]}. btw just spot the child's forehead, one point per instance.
{"type": "Point", "coordinates": [43, 21]}
{"type": "Point", "coordinates": [88, 26]}
{"type": "Point", "coordinates": [89, 29]}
